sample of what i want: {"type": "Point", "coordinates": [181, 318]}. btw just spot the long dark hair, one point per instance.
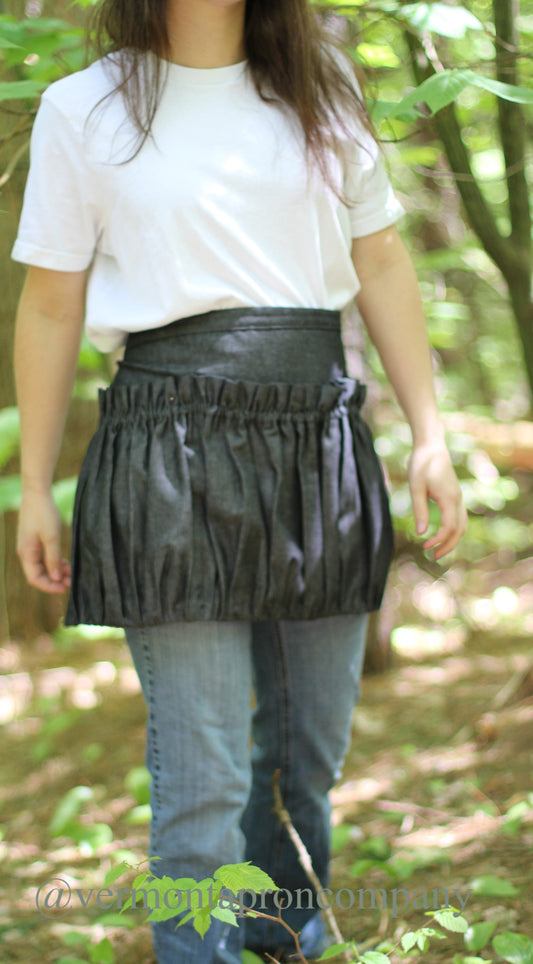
{"type": "Point", "coordinates": [292, 55]}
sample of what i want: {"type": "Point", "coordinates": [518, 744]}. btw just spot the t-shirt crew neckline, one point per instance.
{"type": "Point", "coordinates": [206, 76]}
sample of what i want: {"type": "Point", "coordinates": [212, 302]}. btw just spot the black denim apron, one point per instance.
{"type": "Point", "coordinates": [231, 477]}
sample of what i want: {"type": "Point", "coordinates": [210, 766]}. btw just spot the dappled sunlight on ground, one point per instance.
{"type": "Point", "coordinates": [435, 793]}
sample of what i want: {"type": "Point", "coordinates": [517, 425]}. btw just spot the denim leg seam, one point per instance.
{"type": "Point", "coordinates": [152, 728]}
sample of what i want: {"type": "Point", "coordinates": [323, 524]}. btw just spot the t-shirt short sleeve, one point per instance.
{"type": "Point", "coordinates": [57, 228]}
{"type": "Point", "coordinates": [374, 205]}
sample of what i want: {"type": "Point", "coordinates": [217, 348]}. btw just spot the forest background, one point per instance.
{"type": "Point", "coordinates": [451, 93]}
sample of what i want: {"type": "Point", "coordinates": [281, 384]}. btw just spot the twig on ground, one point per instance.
{"type": "Point", "coordinates": [294, 934]}
{"type": "Point", "coordinates": [304, 858]}
{"type": "Point", "coordinates": [406, 807]}
{"type": "Point", "coordinates": [512, 686]}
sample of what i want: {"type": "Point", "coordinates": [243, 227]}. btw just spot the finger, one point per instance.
{"type": "Point", "coordinates": [454, 538]}
{"type": "Point", "coordinates": [66, 572]}
{"type": "Point", "coordinates": [52, 558]}
{"type": "Point", "coordinates": [37, 576]}
{"type": "Point", "coordinates": [447, 537]}
{"type": "Point", "coordinates": [36, 571]}
{"type": "Point", "coordinates": [447, 544]}
{"type": "Point", "coordinates": [420, 507]}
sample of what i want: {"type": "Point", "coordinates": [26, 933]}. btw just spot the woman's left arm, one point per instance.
{"type": "Point", "coordinates": [392, 310]}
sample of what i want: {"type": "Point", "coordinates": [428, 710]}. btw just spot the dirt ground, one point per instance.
{"type": "Point", "coordinates": [435, 792]}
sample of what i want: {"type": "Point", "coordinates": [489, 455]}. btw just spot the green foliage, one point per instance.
{"type": "Point", "coordinates": [515, 948]}
{"type": "Point", "coordinates": [68, 808]}
{"type": "Point", "coordinates": [478, 935]}
{"type": "Point", "coordinates": [515, 815]}
{"type": "Point", "coordinates": [9, 434]}
{"type": "Point", "coordinates": [55, 722]}
{"type": "Point", "coordinates": [38, 50]}
{"type": "Point", "coordinates": [451, 920]}
{"type": "Point", "coordinates": [199, 901]}
{"type": "Point", "coordinates": [65, 823]}
{"type": "Point", "coordinates": [442, 89]}
{"type": "Point", "coordinates": [140, 815]}
{"type": "Point", "coordinates": [10, 493]}
{"type": "Point", "coordinates": [491, 886]}
{"type": "Point", "coordinates": [244, 877]}
{"type": "Point", "coordinates": [100, 953]}
{"type": "Point", "coordinates": [137, 783]}
{"type": "Point", "coordinates": [440, 18]}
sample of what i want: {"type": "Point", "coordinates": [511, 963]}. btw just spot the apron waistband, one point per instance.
{"type": "Point", "coordinates": [234, 319]}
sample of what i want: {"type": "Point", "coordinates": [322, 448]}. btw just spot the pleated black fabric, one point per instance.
{"type": "Point", "coordinates": [204, 496]}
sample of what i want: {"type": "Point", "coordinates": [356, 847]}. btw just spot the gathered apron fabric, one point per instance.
{"type": "Point", "coordinates": [231, 477]}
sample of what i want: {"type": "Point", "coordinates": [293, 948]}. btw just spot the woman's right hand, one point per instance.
{"type": "Point", "coordinates": [38, 543]}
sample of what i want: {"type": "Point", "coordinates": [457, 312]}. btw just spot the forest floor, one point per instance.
{"type": "Point", "coordinates": [435, 794]}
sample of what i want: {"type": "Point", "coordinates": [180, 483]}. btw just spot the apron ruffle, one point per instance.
{"type": "Point", "coordinates": [203, 497]}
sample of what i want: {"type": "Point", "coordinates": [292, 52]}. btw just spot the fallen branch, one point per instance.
{"type": "Point", "coordinates": [303, 856]}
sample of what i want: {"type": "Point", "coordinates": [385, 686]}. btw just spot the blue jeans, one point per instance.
{"type": "Point", "coordinates": [211, 796]}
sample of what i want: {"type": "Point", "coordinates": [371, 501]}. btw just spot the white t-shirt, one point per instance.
{"type": "Point", "coordinates": [216, 210]}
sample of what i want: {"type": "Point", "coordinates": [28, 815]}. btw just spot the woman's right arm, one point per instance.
{"type": "Point", "coordinates": [48, 334]}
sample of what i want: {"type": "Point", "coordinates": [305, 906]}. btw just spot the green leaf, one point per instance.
{"type": "Point", "coordinates": [137, 782]}
{"type": "Point", "coordinates": [141, 879]}
{"type": "Point", "coordinates": [408, 940]}
{"type": "Point", "coordinates": [451, 920]}
{"type": "Point", "coordinates": [102, 953]}
{"type": "Point", "coordinates": [340, 835]}
{"type": "Point", "coordinates": [224, 914]}
{"type": "Point", "coordinates": [248, 957]}
{"type": "Point", "coordinates": [186, 919]}
{"type": "Point", "coordinates": [20, 89]}
{"type": "Point", "coordinates": [491, 886]}
{"type": "Point", "coordinates": [334, 951]}
{"type": "Point", "coordinates": [377, 55]}
{"type": "Point", "coordinates": [244, 877]}
{"type": "Point", "coordinates": [71, 938]}
{"type": "Point", "coordinates": [10, 493]}
{"type": "Point", "coordinates": [6, 44]}
{"type": "Point", "coordinates": [138, 816]}
{"type": "Point", "coordinates": [375, 957]}
{"type": "Point", "coordinates": [202, 920]}
{"type": "Point", "coordinates": [115, 872]}
{"type": "Point", "coordinates": [440, 18]}
{"type": "Point", "coordinates": [377, 847]}
{"type": "Point", "coordinates": [89, 837]}
{"type": "Point", "coordinates": [68, 808]}
{"type": "Point", "coordinates": [515, 948]}
{"type": "Point", "coordinates": [443, 89]}
{"type": "Point", "coordinates": [478, 935]}
{"type": "Point", "coordinates": [518, 95]}
{"type": "Point", "coordinates": [64, 493]}
{"type": "Point", "coordinates": [360, 867]}
{"type": "Point", "coordinates": [431, 932]}
{"type": "Point", "coordinates": [9, 433]}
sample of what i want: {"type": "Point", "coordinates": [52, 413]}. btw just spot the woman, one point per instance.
{"type": "Point", "coordinates": [214, 186]}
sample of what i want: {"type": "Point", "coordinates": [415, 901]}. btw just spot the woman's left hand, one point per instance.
{"type": "Point", "coordinates": [431, 476]}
